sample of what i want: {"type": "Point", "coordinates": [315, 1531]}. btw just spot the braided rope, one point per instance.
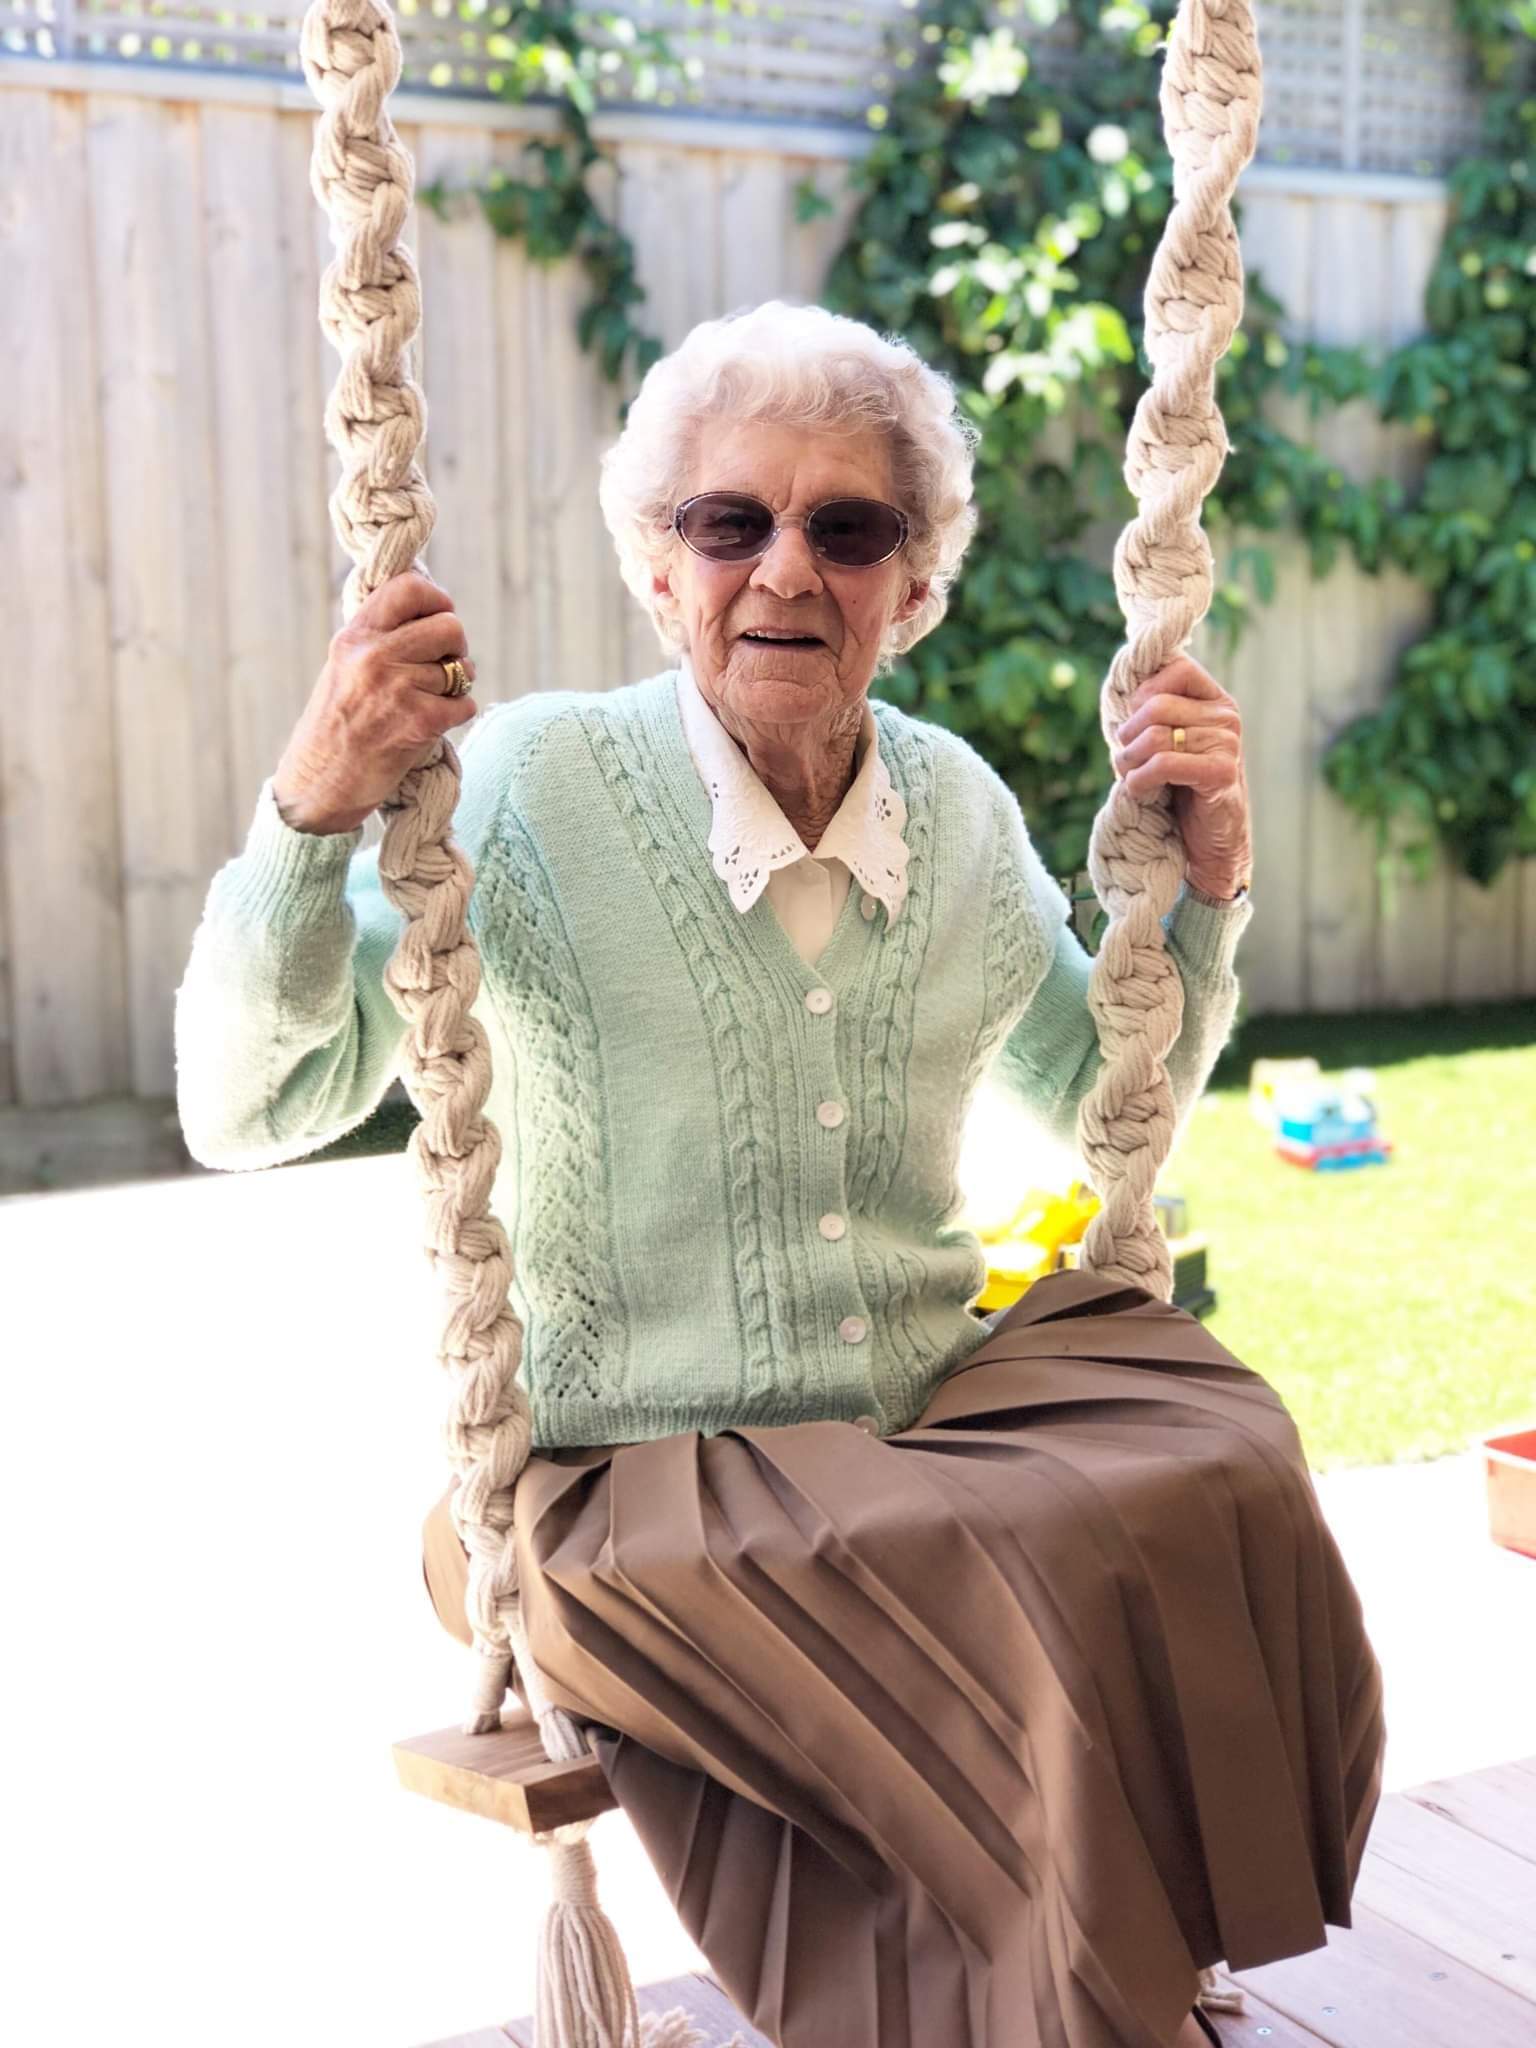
{"type": "Point", "coordinates": [1211, 95]}
{"type": "Point", "coordinates": [1178, 443]}
{"type": "Point", "coordinates": [383, 513]}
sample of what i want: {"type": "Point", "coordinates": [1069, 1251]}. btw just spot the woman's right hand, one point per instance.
{"type": "Point", "coordinates": [377, 710]}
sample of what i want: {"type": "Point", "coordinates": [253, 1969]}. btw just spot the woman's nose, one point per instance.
{"type": "Point", "coordinates": [789, 564]}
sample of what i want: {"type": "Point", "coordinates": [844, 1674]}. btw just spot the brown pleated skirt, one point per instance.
{"type": "Point", "coordinates": [988, 1734]}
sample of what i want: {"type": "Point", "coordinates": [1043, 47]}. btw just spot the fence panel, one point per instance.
{"type": "Point", "coordinates": [63, 943]}
{"type": "Point", "coordinates": [1413, 942]}
{"type": "Point", "coordinates": [167, 591]}
{"type": "Point", "coordinates": [1263, 675]}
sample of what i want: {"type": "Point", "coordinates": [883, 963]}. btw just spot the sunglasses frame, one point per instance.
{"type": "Point", "coordinates": [777, 526]}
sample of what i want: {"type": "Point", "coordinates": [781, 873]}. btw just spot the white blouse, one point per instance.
{"type": "Point", "coordinates": [756, 851]}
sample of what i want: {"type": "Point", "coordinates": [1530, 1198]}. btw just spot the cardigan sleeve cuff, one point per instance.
{"type": "Point", "coordinates": [284, 873]}
{"type": "Point", "coordinates": [1208, 933]}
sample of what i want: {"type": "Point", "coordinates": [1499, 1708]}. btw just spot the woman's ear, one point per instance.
{"type": "Point", "coordinates": [915, 599]}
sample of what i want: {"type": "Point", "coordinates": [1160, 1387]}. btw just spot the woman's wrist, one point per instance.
{"type": "Point", "coordinates": [298, 820]}
{"type": "Point", "coordinates": [1230, 892]}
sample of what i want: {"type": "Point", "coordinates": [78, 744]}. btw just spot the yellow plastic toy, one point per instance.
{"type": "Point", "coordinates": [1027, 1245]}
{"type": "Point", "coordinates": [1042, 1234]}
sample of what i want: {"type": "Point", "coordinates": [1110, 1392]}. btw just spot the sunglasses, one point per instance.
{"type": "Point", "coordinates": [731, 526]}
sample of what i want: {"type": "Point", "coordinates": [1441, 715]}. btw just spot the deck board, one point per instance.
{"type": "Point", "coordinates": [1499, 1804]}
{"type": "Point", "coordinates": [1469, 1897]}
{"type": "Point", "coordinates": [698, 1994]}
{"type": "Point", "coordinates": [1377, 1986]}
{"type": "Point", "coordinates": [1442, 1952]}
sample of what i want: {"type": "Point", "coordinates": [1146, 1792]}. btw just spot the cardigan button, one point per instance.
{"type": "Point", "coordinates": [870, 1424]}
{"type": "Point", "coordinates": [867, 907]}
{"type": "Point", "coordinates": [833, 1226]}
{"type": "Point", "coordinates": [853, 1329]}
{"type": "Point", "coordinates": [829, 1115]}
{"type": "Point", "coordinates": [819, 1001]}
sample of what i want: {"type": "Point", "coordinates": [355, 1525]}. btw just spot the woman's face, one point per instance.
{"type": "Point", "coordinates": [790, 587]}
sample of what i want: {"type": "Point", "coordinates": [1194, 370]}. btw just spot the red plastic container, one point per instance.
{"type": "Point", "coordinates": [1510, 1463]}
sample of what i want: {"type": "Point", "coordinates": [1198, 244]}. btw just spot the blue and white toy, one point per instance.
{"type": "Point", "coordinates": [1324, 1125]}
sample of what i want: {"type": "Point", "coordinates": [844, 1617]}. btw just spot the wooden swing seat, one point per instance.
{"type": "Point", "coordinates": [504, 1775]}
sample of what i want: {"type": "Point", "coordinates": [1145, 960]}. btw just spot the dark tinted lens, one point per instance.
{"type": "Point", "coordinates": [855, 531]}
{"type": "Point", "coordinates": [725, 526]}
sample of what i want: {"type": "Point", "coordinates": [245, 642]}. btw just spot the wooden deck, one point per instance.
{"type": "Point", "coordinates": [1442, 1953]}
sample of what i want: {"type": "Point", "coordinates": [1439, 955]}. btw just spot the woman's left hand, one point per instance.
{"type": "Point", "coordinates": [1210, 786]}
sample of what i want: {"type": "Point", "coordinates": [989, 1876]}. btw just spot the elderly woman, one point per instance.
{"type": "Point", "coordinates": [967, 1686]}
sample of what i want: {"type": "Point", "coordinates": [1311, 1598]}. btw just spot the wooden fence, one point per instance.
{"type": "Point", "coordinates": [174, 580]}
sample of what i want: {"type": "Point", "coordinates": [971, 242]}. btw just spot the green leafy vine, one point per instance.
{"type": "Point", "coordinates": [1452, 750]}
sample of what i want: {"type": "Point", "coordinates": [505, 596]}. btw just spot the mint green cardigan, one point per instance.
{"type": "Point", "coordinates": [665, 1065]}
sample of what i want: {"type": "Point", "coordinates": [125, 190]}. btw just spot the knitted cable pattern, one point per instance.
{"type": "Point", "coordinates": [1211, 96]}
{"type": "Point", "coordinates": [1178, 443]}
{"type": "Point", "coordinates": [875, 1150]}
{"type": "Point", "coordinates": [744, 1054]}
{"type": "Point", "coordinates": [383, 513]}
{"type": "Point", "coordinates": [575, 1303]}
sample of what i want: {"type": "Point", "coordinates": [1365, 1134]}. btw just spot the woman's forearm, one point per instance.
{"type": "Point", "coordinates": [286, 1036]}
{"type": "Point", "coordinates": [285, 1033]}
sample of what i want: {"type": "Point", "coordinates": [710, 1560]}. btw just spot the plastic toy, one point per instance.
{"type": "Point", "coordinates": [1044, 1235]}
{"type": "Point", "coordinates": [1509, 1465]}
{"type": "Point", "coordinates": [1326, 1126]}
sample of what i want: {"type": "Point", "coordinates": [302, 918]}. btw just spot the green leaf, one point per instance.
{"type": "Point", "coordinates": [810, 203]}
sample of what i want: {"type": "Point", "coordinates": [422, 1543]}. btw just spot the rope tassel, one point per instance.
{"type": "Point", "coordinates": [585, 1998]}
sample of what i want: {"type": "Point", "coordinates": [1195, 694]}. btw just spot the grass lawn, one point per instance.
{"type": "Point", "coordinates": [1392, 1307]}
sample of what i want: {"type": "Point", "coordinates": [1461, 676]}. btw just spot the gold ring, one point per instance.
{"type": "Point", "coordinates": [1178, 736]}
{"type": "Point", "coordinates": [459, 684]}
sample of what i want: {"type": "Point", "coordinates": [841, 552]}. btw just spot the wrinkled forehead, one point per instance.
{"type": "Point", "coordinates": [790, 468]}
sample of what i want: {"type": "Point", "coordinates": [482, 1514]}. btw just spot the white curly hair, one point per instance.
{"type": "Point", "coordinates": [801, 366]}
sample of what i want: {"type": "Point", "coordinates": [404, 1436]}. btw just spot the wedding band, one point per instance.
{"type": "Point", "coordinates": [1178, 736]}
{"type": "Point", "coordinates": [459, 684]}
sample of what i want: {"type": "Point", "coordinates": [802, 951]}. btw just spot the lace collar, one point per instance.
{"type": "Point", "coordinates": [750, 836]}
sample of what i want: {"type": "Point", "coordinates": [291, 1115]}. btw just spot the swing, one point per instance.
{"type": "Point", "coordinates": [535, 1771]}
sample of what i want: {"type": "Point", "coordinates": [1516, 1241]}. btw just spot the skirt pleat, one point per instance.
{"type": "Point", "coordinates": [990, 1733]}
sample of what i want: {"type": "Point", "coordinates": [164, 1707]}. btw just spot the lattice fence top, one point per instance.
{"type": "Point", "coordinates": [1381, 85]}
